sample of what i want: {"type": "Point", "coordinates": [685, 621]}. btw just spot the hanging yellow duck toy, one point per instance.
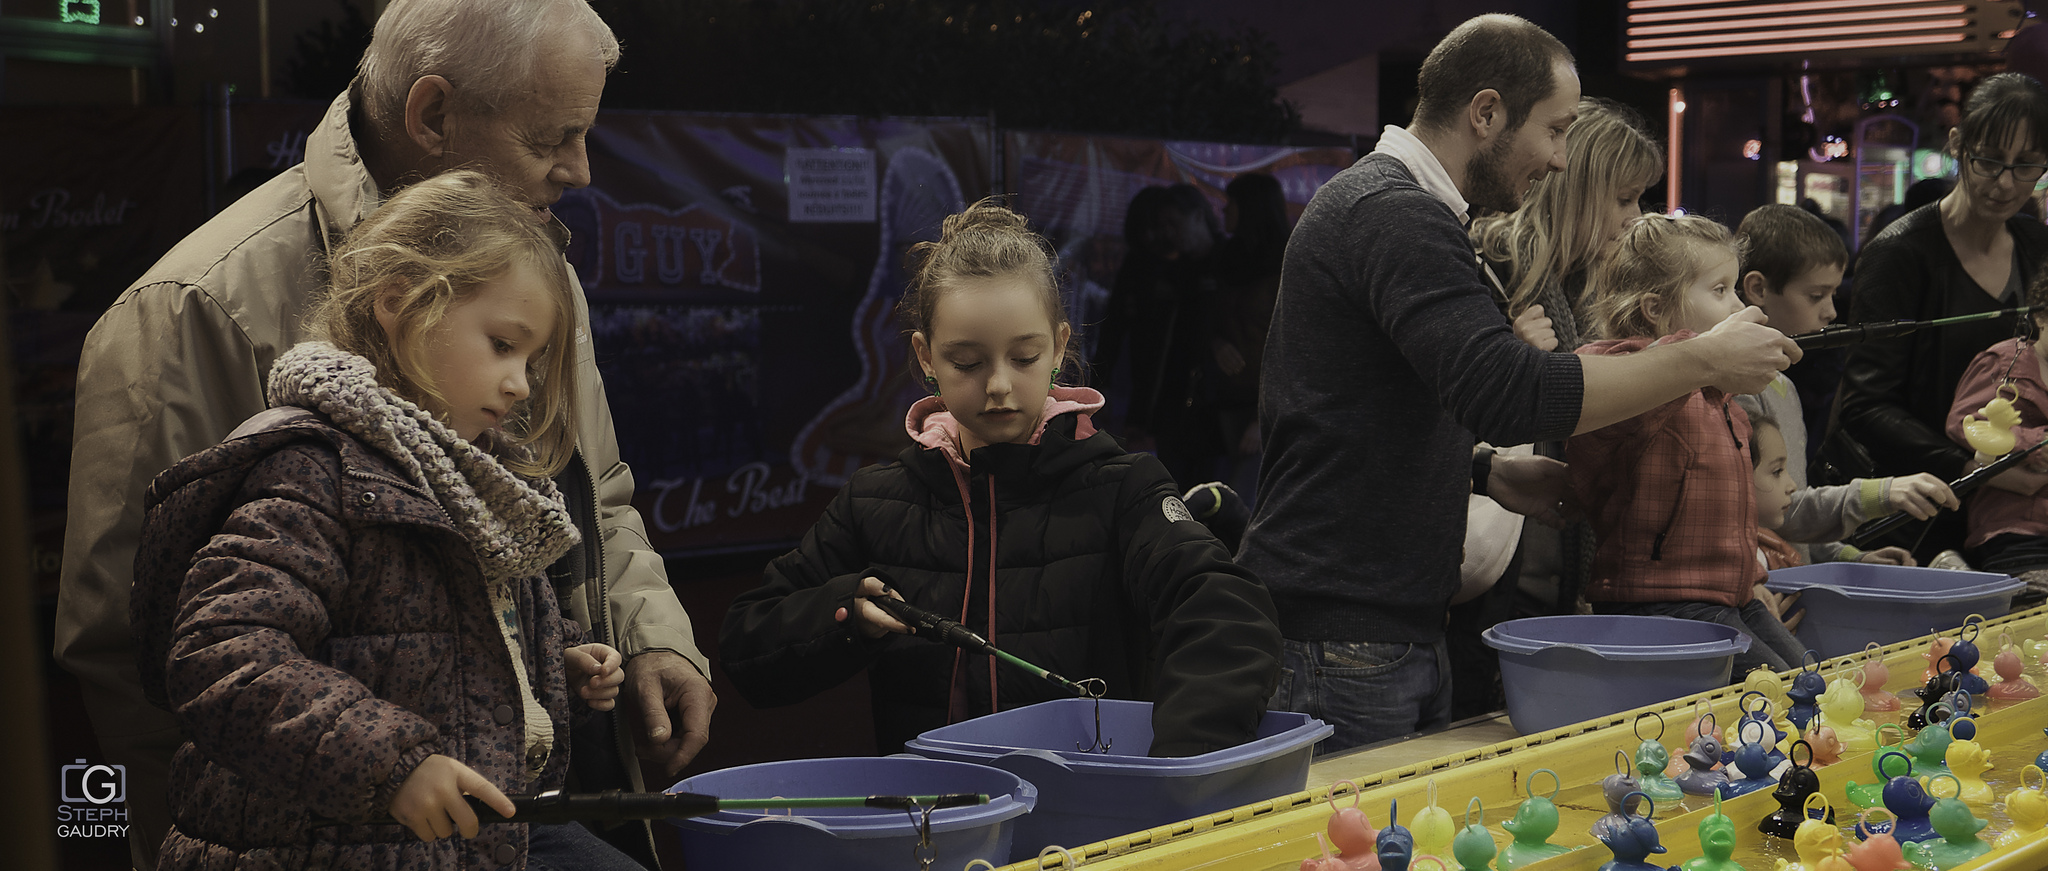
{"type": "Point", "coordinates": [1991, 434]}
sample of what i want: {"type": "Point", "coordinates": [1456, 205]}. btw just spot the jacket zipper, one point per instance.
{"type": "Point", "coordinates": [408, 487]}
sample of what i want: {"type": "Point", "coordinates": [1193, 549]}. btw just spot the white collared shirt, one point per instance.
{"type": "Point", "coordinates": [1428, 171]}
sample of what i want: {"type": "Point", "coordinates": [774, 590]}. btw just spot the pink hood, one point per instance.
{"type": "Point", "coordinates": [931, 425]}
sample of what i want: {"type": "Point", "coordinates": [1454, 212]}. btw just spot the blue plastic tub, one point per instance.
{"type": "Point", "coordinates": [1088, 797]}
{"type": "Point", "coordinates": [1849, 605]}
{"type": "Point", "coordinates": [1560, 670]}
{"type": "Point", "coordinates": [854, 838]}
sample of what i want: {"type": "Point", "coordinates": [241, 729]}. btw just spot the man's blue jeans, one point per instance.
{"type": "Point", "coordinates": [571, 847]}
{"type": "Point", "coordinates": [1369, 691]}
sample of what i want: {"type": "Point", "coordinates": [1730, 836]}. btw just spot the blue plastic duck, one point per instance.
{"type": "Point", "coordinates": [1807, 687]}
{"type": "Point", "coordinates": [1967, 656]}
{"type": "Point", "coordinates": [1632, 845]}
{"type": "Point", "coordinates": [1909, 803]}
{"type": "Point", "coordinates": [1749, 771]}
{"type": "Point", "coordinates": [1396, 846]}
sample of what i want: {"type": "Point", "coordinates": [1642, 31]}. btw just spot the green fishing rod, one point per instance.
{"type": "Point", "coordinates": [1841, 335]}
{"type": "Point", "coordinates": [614, 806]}
{"type": "Point", "coordinates": [926, 624]}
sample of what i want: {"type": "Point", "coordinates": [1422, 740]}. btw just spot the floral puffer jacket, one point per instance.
{"type": "Point", "coordinates": [331, 632]}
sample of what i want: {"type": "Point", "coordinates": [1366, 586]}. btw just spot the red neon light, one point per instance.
{"type": "Point", "coordinates": [1824, 45]}
{"type": "Point", "coordinates": [1674, 112]}
{"type": "Point", "coordinates": [1764, 9]}
{"type": "Point", "coordinates": [1796, 20]}
{"type": "Point", "coordinates": [1798, 33]}
{"type": "Point", "coordinates": [1730, 7]}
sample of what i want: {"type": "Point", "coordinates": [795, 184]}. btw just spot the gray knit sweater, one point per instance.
{"type": "Point", "coordinates": [1386, 355]}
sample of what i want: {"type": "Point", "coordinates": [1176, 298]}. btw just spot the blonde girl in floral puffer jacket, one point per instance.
{"type": "Point", "coordinates": [345, 603]}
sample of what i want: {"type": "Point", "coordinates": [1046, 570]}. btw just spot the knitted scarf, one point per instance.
{"type": "Point", "coordinates": [516, 526]}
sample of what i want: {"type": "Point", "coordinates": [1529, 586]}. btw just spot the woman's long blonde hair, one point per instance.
{"type": "Point", "coordinates": [1555, 232]}
{"type": "Point", "coordinates": [1657, 257]}
{"type": "Point", "coordinates": [430, 246]}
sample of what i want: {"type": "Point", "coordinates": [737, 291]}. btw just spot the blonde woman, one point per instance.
{"type": "Point", "coordinates": [1540, 255]}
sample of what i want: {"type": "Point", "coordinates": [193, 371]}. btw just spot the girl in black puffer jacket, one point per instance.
{"type": "Point", "coordinates": [1014, 515]}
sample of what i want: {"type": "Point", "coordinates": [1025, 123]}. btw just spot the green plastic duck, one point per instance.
{"type": "Point", "coordinates": [1717, 843]}
{"type": "Point", "coordinates": [1473, 847]}
{"type": "Point", "coordinates": [1534, 822]}
{"type": "Point", "coordinates": [1958, 829]}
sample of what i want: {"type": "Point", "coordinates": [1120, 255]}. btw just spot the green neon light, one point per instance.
{"type": "Point", "coordinates": [78, 11]}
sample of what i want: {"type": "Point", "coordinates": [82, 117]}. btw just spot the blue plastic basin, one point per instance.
{"type": "Point", "coordinates": [1849, 605]}
{"type": "Point", "coordinates": [856, 838]}
{"type": "Point", "coordinates": [1089, 797]}
{"type": "Point", "coordinates": [1561, 670]}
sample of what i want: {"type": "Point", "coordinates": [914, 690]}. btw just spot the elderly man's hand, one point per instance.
{"type": "Point", "coordinates": [667, 690]}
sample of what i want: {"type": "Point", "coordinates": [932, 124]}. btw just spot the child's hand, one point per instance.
{"type": "Point", "coordinates": [430, 801]}
{"type": "Point", "coordinates": [1535, 330]}
{"type": "Point", "coordinates": [1888, 556]}
{"type": "Point", "coordinates": [1920, 495]}
{"type": "Point", "coordinates": [873, 621]}
{"type": "Point", "coordinates": [1779, 604]}
{"type": "Point", "coordinates": [595, 672]}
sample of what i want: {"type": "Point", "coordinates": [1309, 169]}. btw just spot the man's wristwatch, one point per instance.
{"type": "Point", "coordinates": [1482, 468]}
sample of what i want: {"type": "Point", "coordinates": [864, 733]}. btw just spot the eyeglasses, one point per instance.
{"type": "Point", "coordinates": [2024, 173]}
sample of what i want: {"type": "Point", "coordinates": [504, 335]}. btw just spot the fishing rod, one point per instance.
{"type": "Point", "coordinates": [1868, 533]}
{"type": "Point", "coordinates": [556, 806]}
{"type": "Point", "coordinates": [926, 624]}
{"type": "Point", "coordinates": [1841, 335]}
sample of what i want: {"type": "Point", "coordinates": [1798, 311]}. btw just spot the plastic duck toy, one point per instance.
{"type": "Point", "coordinates": [1938, 688]}
{"type": "Point", "coordinates": [1534, 822]}
{"type": "Point", "coordinates": [1767, 733]}
{"type": "Point", "coordinates": [1651, 760]}
{"type": "Point", "coordinates": [1967, 762]}
{"type": "Point", "coordinates": [1352, 832]}
{"type": "Point", "coordinates": [1929, 749]}
{"type": "Point", "coordinates": [1872, 795]}
{"type": "Point", "coordinates": [1325, 862]}
{"type": "Point", "coordinates": [1909, 803]}
{"type": "Point", "coordinates": [1876, 699]}
{"type": "Point", "coordinates": [2041, 761]}
{"type": "Point", "coordinates": [1473, 846]}
{"type": "Point", "coordinates": [2027, 806]}
{"type": "Point", "coordinates": [1966, 656]}
{"type": "Point", "coordinates": [1818, 843]}
{"type": "Point", "coordinates": [1616, 788]}
{"type": "Point", "coordinates": [1933, 655]}
{"type": "Point", "coordinates": [1879, 852]}
{"type": "Point", "coordinates": [1750, 768]}
{"type": "Point", "coordinates": [1841, 707]}
{"type": "Point", "coordinates": [1827, 749]}
{"type": "Point", "coordinates": [1764, 682]}
{"type": "Point", "coordinates": [1991, 435]}
{"type": "Point", "coordinates": [1798, 784]}
{"type": "Point", "coordinates": [1395, 845]}
{"type": "Point", "coordinates": [1433, 827]}
{"type": "Point", "coordinates": [1633, 842]}
{"type": "Point", "coordinates": [1958, 829]}
{"type": "Point", "coordinates": [2012, 685]}
{"type": "Point", "coordinates": [1804, 695]}
{"type": "Point", "coordinates": [1702, 778]}
{"type": "Point", "coordinates": [1717, 843]}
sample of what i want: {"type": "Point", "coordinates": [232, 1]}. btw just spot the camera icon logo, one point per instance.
{"type": "Point", "coordinates": [93, 784]}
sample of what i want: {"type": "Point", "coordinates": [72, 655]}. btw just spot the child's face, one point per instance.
{"type": "Point", "coordinates": [1711, 296]}
{"type": "Point", "coordinates": [481, 353]}
{"type": "Point", "coordinates": [992, 348]}
{"type": "Point", "coordinates": [1615, 215]}
{"type": "Point", "coordinates": [1805, 304]}
{"type": "Point", "coordinates": [1772, 478]}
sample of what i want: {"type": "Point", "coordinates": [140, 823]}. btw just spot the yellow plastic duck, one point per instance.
{"type": "Point", "coordinates": [1841, 706]}
{"type": "Point", "coordinates": [2028, 808]}
{"type": "Point", "coordinates": [1818, 843]}
{"type": "Point", "coordinates": [1433, 828]}
{"type": "Point", "coordinates": [1968, 761]}
{"type": "Point", "coordinates": [1991, 435]}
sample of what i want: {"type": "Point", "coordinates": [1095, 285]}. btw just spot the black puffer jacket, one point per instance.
{"type": "Point", "coordinates": [1896, 392]}
{"type": "Point", "coordinates": [1099, 573]}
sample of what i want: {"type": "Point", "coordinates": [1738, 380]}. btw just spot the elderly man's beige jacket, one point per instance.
{"type": "Point", "coordinates": [181, 359]}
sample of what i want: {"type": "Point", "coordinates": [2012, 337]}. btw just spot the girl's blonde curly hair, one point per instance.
{"type": "Point", "coordinates": [1656, 257]}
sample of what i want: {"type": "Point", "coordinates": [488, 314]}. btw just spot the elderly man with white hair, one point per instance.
{"type": "Point", "coordinates": [510, 87]}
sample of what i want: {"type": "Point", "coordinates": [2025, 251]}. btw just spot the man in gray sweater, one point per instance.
{"type": "Point", "coordinates": [1387, 355]}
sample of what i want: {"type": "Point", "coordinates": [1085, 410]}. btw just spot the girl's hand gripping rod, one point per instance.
{"type": "Point", "coordinates": [926, 624]}
{"type": "Point", "coordinates": [1841, 335]}
{"type": "Point", "coordinates": [613, 806]}
{"type": "Point", "coordinates": [1869, 532]}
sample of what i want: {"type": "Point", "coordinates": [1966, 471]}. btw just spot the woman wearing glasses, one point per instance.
{"type": "Point", "coordinates": [1971, 251]}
